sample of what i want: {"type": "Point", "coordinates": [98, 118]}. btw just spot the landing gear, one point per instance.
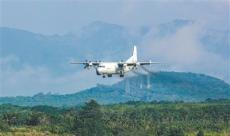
{"type": "Point", "coordinates": [103, 76]}
{"type": "Point", "coordinates": [121, 73]}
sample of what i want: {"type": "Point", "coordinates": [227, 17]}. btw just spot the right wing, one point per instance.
{"type": "Point", "coordinates": [121, 64]}
{"type": "Point", "coordinates": [148, 63]}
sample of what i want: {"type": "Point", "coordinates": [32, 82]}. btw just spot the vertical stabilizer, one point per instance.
{"type": "Point", "coordinates": [133, 58]}
{"type": "Point", "coordinates": [134, 54]}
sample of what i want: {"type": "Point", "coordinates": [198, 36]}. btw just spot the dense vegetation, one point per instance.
{"type": "Point", "coordinates": [211, 117]}
{"type": "Point", "coordinates": [170, 86]}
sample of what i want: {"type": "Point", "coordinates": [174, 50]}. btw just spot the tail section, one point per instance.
{"type": "Point", "coordinates": [133, 58]}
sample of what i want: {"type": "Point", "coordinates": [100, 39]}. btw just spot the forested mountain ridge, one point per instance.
{"type": "Point", "coordinates": [160, 86]}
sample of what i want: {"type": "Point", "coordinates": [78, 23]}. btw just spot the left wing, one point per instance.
{"type": "Point", "coordinates": [87, 64]}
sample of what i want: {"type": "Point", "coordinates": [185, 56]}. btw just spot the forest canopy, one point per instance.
{"type": "Point", "coordinates": [131, 118]}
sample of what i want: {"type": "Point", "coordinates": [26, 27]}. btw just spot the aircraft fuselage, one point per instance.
{"type": "Point", "coordinates": [110, 68]}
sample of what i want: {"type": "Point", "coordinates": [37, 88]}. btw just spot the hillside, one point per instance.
{"type": "Point", "coordinates": [163, 86]}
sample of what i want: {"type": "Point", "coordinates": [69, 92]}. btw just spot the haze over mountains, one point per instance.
{"type": "Point", "coordinates": [33, 63]}
{"type": "Point", "coordinates": [161, 86]}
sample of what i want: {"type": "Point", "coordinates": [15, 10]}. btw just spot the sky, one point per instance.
{"type": "Point", "coordinates": [51, 17]}
{"type": "Point", "coordinates": [63, 16]}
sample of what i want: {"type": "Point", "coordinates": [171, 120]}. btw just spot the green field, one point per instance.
{"type": "Point", "coordinates": [209, 118]}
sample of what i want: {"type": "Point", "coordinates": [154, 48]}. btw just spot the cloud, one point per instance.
{"type": "Point", "coordinates": [29, 80]}
{"type": "Point", "coordinates": [184, 51]}
{"type": "Point", "coordinates": [181, 47]}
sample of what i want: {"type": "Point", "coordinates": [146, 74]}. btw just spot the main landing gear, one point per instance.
{"type": "Point", "coordinates": [121, 73]}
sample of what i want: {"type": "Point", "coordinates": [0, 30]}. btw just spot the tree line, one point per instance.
{"type": "Point", "coordinates": [125, 119]}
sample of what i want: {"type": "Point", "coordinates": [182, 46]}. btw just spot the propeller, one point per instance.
{"type": "Point", "coordinates": [88, 64]}
{"type": "Point", "coordinates": [147, 70]}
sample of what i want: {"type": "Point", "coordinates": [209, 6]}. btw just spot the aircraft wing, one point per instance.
{"type": "Point", "coordinates": [148, 63]}
{"type": "Point", "coordinates": [138, 63]}
{"type": "Point", "coordinates": [88, 64]}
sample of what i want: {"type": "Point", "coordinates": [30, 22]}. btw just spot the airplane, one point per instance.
{"type": "Point", "coordinates": [116, 68]}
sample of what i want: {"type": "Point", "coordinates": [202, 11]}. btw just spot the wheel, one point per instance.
{"type": "Point", "coordinates": [121, 73]}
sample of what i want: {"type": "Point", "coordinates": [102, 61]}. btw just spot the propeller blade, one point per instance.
{"type": "Point", "coordinates": [147, 70]}
{"type": "Point", "coordinates": [137, 73]}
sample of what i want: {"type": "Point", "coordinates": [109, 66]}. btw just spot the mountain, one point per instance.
{"type": "Point", "coordinates": [29, 56]}
{"type": "Point", "coordinates": [217, 42]}
{"type": "Point", "coordinates": [161, 86]}
{"type": "Point", "coordinates": [33, 48]}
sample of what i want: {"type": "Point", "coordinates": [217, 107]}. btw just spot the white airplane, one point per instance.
{"type": "Point", "coordinates": [119, 68]}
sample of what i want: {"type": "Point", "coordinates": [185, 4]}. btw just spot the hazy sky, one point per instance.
{"type": "Point", "coordinates": [183, 49]}
{"type": "Point", "coordinates": [62, 16]}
